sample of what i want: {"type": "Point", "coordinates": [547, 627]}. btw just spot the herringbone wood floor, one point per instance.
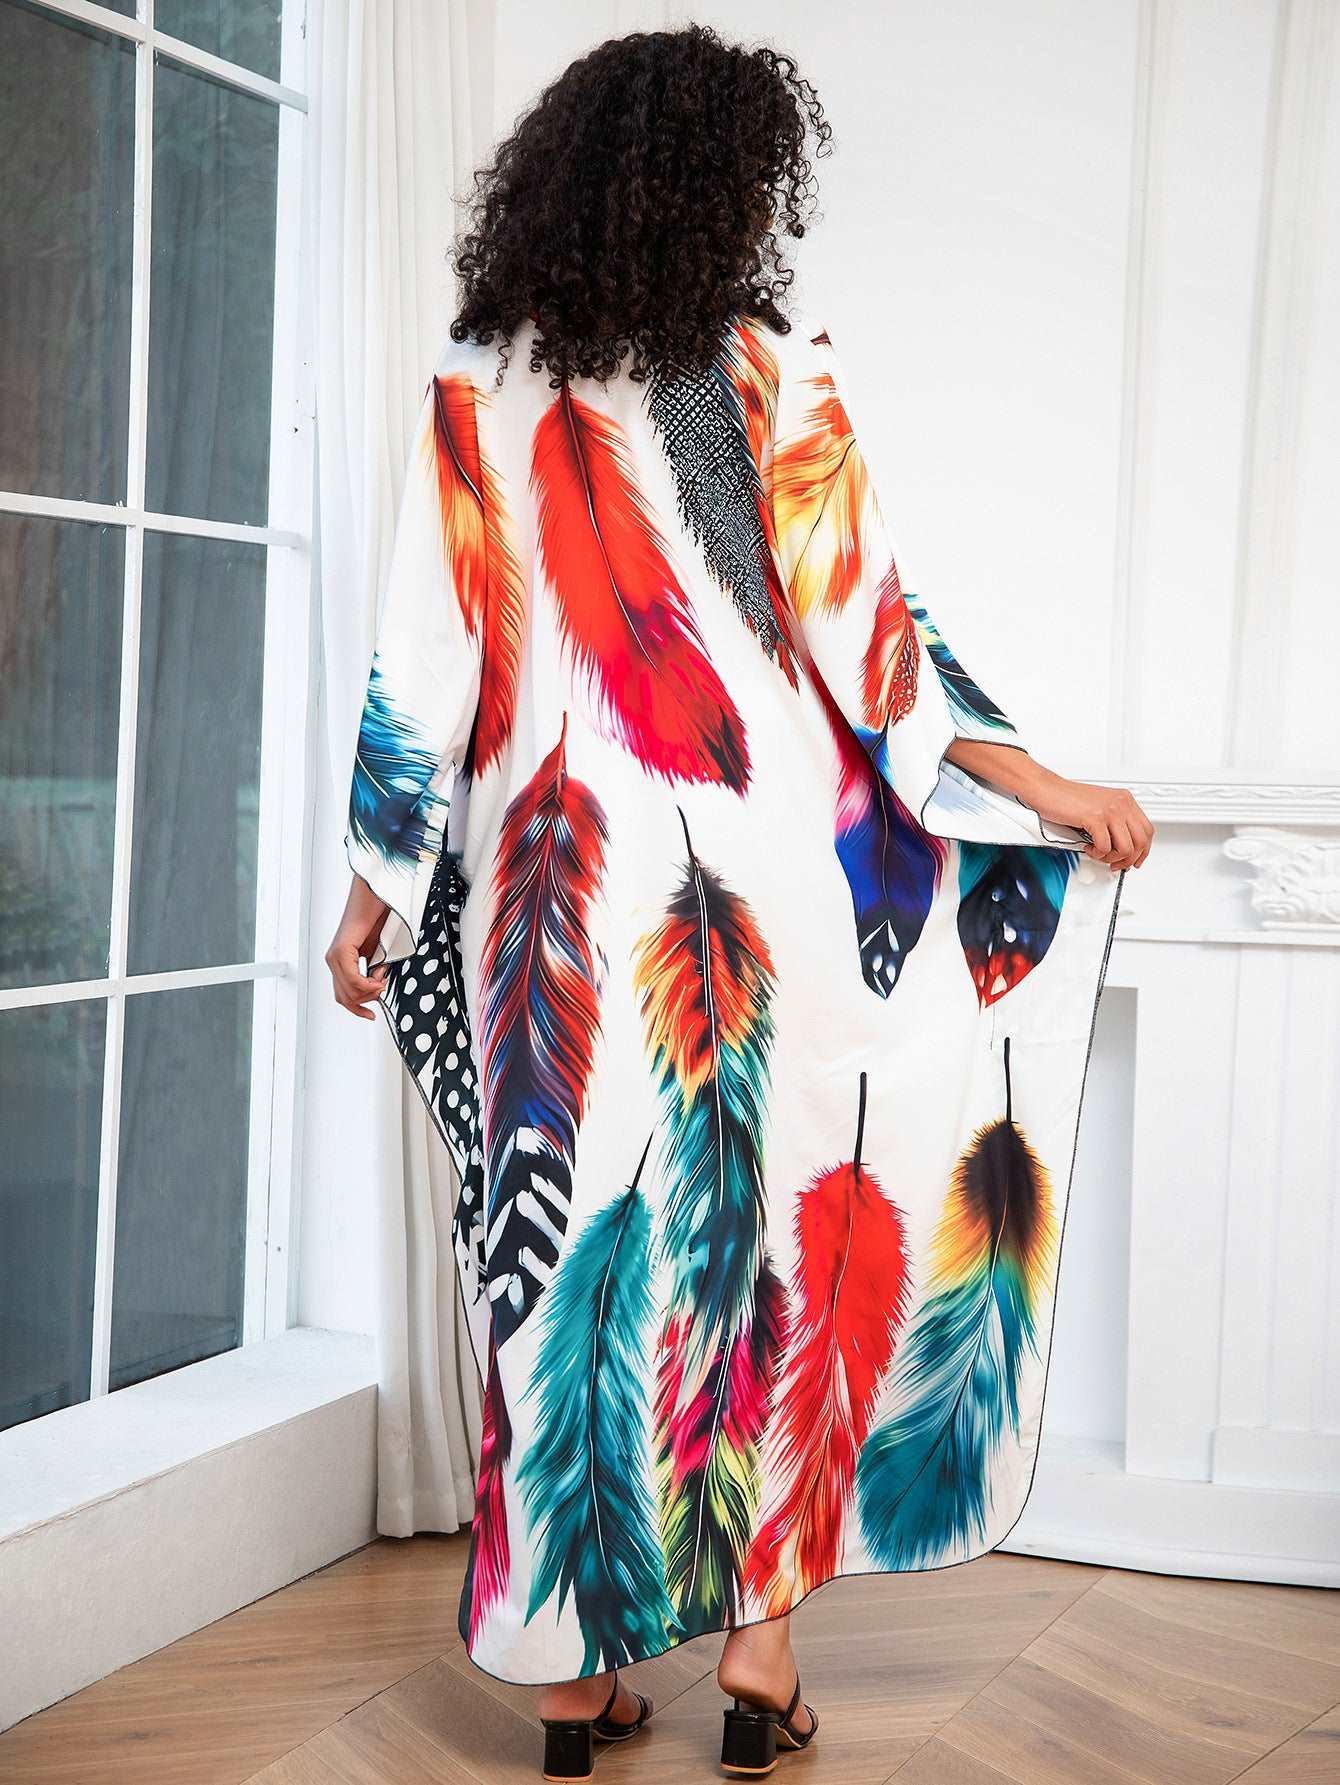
{"type": "Point", "coordinates": [1005, 1670]}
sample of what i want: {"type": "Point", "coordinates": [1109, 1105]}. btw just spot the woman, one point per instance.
{"type": "Point", "coordinates": [745, 958]}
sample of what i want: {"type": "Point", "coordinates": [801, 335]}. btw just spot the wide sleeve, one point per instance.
{"type": "Point", "coordinates": [885, 663]}
{"type": "Point", "coordinates": [423, 684]}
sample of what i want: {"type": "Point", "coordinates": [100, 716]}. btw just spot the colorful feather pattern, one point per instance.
{"type": "Point", "coordinates": [923, 1480]}
{"type": "Point", "coordinates": [967, 703]}
{"type": "Point", "coordinates": [1010, 900]}
{"type": "Point", "coordinates": [540, 1006]}
{"type": "Point", "coordinates": [892, 866]}
{"type": "Point", "coordinates": [892, 658]}
{"type": "Point", "coordinates": [709, 1435]}
{"type": "Point", "coordinates": [850, 1294]}
{"type": "Point", "coordinates": [585, 1476]}
{"type": "Point", "coordinates": [490, 1563]}
{"type": "Point", "coordinates": [704, 979]}
{"type": "Point", "coordinates": [621, 611]}
{"type": "Point", "coordinates": [822, 503]}
{"type": "Point", "coordinates": [477, 544]}
{"type": "Point", "coordinates": [393, 811]}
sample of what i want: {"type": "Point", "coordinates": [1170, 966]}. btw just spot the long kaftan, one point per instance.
{"type": "Point", "coordinates": [757, 1030]}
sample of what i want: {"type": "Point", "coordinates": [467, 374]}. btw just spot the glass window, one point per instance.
{"type": "Point", "coordinates": [181, 1205]}
{"type": "Point", "coordinates": [149, 804]}
{"type": "Point", "coordinates": [211, 323]}
{"type": "Point", "coordinates": [245, 31]}
{"type": "Point", "coordinates": [60, 668]}
{"type": "Point", "coordinates": [51, 1063]}
{"type": "Point", "coordinates": [198, 754]}
{"type": "Point", "coordinates": [67, 147]}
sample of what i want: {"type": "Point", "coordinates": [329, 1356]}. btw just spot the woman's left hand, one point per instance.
{"type": "Point", "coordinates": [1121, 831]}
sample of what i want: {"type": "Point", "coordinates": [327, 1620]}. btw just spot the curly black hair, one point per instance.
{"type": "Point", "coordinates": [636, 207]}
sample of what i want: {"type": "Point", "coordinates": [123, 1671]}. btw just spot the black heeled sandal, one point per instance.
{"type": "Point", "coordinates": [570, 1742]}
{"type": "Point", "coordinates": [755, 1734]}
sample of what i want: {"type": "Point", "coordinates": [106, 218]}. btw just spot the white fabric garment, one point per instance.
{"type": "Point", "coordinates": [389, 89]}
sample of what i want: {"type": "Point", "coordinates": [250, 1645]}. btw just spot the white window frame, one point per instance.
{"type": "Point", "coordinates": [284, 829]}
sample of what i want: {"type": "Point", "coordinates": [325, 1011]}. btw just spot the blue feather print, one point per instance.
{"type": "Point", "coordinates": [966, 699]}
{"type": "Point", "coordinates": [392, 812]}
{"type": "Point", "coordinates": [892, 866]}
{"type": "Point", "coordinates": [585, 1475]}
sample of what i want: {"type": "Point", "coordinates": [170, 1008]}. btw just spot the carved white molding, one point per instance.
{"type": "Point", "coordinates": [1171, 800]}
{"type": "Point", "coordinates": [1297, 881]}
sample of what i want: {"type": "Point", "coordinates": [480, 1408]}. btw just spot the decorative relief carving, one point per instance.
{"type": "Point", "coordinates": [1239, 802]}
{"type": "Point", "coordinates": [1296, 885]}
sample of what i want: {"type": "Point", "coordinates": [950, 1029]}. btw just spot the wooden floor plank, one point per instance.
{"type": "Point", "coordinates": [1006, 1671]}
{"type": "Point", "coordinates": [1312, 1757]}
{"type": "Point", "coordinates": [370, 1746]}
{"type": "Point", "coordinates": [1151, 1679]}
{"type": "Point", "coordinates": [218, 1705]}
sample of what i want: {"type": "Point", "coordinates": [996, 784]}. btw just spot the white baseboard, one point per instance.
{"type": "Point", "coordinates": [1085, 1508]}
{"type": "Point", "coordinates": [134, 1519]}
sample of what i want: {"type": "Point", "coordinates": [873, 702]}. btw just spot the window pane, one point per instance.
{"type": "Point", "coordinates": [245, 31]}
{"type": "Point", "coordinates": [50, 1117]}
{"type": "Point", "coordinates": [67, 123]}
{"type": "Point", "coordinates": [182, 1185]}
{"type": "Point", "coordinates": [60, 660]}
{"type": "Point", "coordinates": [197, 754]}
{"type": "Point", "coordinates": [211, 320]}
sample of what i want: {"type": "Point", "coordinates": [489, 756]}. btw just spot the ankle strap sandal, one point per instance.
{"type": "Point", "coordinates": [756, 1734]}
{"type": "Point", "coordinates": [569, 1742]}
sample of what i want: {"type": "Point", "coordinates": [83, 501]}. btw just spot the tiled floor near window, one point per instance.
{"type": "Point", "coordinates": [1005, 1670]}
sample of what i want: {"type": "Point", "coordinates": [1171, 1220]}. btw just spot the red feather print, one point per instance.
{"type": "Point", "coordinates": [851, 1298]}
{"type": "Point", "coordinates": [490, 1549]}
{"type": "Point", "coordinates": [823, 504]}
{"type": "Point", "coordinates": [621, 610]}
{"type": "Point", "coordinates": [476, 538]}
{"type": "Point", "coordinates": [889, 684]}
{"type": "Point", "coordinates": [540, 1016]}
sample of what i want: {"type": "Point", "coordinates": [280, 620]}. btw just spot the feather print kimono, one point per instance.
{"type": "Point", "coordinates": [757, 1029]}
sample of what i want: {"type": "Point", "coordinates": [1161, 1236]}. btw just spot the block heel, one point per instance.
{"type": "Point", "coordinates": [755, 1736]}
{"type": "Point", "coordinates": [570, 1742]}
{"type": "Point", "coordinates": [569, 1749]}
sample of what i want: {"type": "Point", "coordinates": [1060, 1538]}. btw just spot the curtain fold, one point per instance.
{"type": "Point", "coordinates": [391, 126]}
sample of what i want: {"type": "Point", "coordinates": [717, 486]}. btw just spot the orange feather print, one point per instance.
{"type": "Point", "coordinates": [752, 368]}
{"type": "Point", "coordinates": [621, 610]}
{"type": "Point", "coordinates": [851, 1299]}
{"type": "Point", "coordinates": [476, 541]}
{"type": "Point", "coordinates": [822, 501]}
{"type": "Point", "coordinates": [892, 658]}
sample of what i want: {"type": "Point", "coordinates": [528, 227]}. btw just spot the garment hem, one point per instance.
{"type": "Point", "coordinates": [869, 1573]}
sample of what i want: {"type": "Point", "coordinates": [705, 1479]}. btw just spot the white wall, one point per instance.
{"type": "Point", "coordinates": [1083, 264]}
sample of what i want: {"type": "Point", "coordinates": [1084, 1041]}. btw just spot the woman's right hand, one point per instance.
{"type": "Point", "coordinates": [355, 938]}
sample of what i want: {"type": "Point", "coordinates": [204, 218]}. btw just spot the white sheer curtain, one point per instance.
{"type": "Point", "coordinates": [392, 138]}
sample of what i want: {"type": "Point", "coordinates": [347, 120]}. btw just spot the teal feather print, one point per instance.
{"type": "Point", "coordinates": [923, 1478]}
{"type": "Point", "coordinates": [1010, 899]}
{"type": "Point", "coordinates": [392, 810]}
{"type": "Point", "coordinates": [585, 1476]}
{"type": "Point", "coordinates": [705, 981]}
{"type": "Point", "coordinates": [966, 699]}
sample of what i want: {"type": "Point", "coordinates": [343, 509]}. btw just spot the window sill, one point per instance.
{"type": "Point", "coordinates": [129, 1521]}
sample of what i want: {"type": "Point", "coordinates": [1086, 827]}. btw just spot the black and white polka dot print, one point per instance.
{"type": "Point", "coordinates": [425, 1000]}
